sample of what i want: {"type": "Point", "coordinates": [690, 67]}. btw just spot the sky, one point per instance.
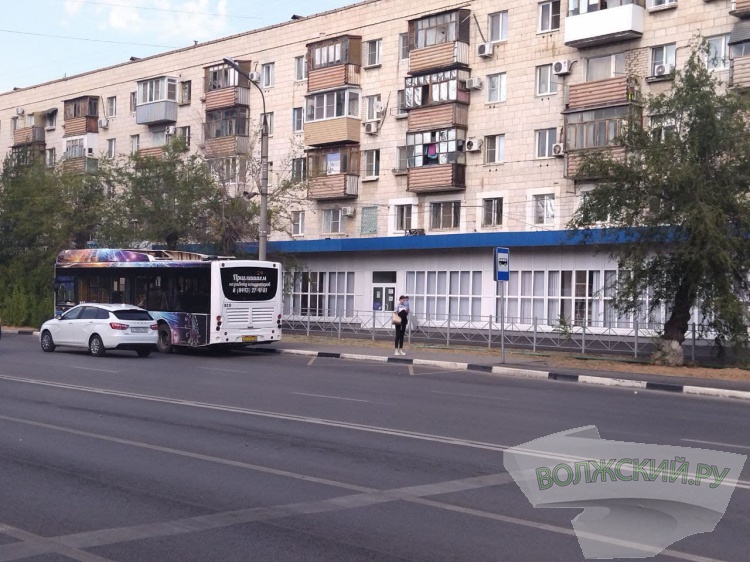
{"type": "Point", "coordinates": [42, 40]}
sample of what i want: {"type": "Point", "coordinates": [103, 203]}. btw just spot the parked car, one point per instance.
{"type": "Point", "coordinates": [99, 327]}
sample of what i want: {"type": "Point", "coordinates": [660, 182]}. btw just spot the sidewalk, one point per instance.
{"type": "Point", "coordinates": [516, 364]}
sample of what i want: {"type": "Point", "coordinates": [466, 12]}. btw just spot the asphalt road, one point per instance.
{"type": "Point", "coordinates": [198, 457]}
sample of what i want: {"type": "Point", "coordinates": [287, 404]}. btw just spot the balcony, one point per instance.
{"type": "Point", "coordinates": [333, 131]}
{"type": "Point", "coordinates": [333, 77]}
{"type": "Point", "coordinates": [153, 113]}
{"type": "Point", "coordinates": [574, 159]}
{"type": "Point", "coordinates": [336, 186]}
{"type": "Point", "coordinates": [739, 73]}
{"type": "Point", "coordinates": [80, 164]}
{"type": "Point", "coordinates": [740, 9]}
{"type": "Point", "coordinates": [28, 135]}
{"type": "Point", "coordinates": [620, 21]}
{"type": "Point", "coordinates": [437, 57]}
{"type": "Point", "coordinates": [438, 117]}
{"type": "Point", "coordinates": [602, 93]}
{"type": "Point", "coordinates": [435, 179]}
{"type": "Point", "coordinates": [153, 152]}
{"type": "Point", "coordinates": [226, 146]}
{"type": "Point", "coordinates": [227, 97]}
{"type": "Point", "coordinates": [78, 126]}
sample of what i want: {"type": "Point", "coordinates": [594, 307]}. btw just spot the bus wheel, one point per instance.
{"type": "Point", "coordinates": [164, 344]}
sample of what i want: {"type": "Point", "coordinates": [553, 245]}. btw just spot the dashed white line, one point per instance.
{"type": "Point", "coordinates": [92, 369]}
{"type": "Point", "coordinates": [223, 370]}
{"type": "Point", "coordinates": [326, 396]}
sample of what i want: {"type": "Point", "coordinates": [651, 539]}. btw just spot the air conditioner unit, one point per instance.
{"type": "Point", "coordinates": [371, 127]}
{"type": "Point", "coordinates": [103, 123]}
{"type": "Point", "coordinates": [171, 130]}
{"type": "Point", "coordinates": [473, 83]}
{"type": "Point", "coordinates": [561, 67]}
{"type": "Point", "coordinates": [347, 211]}
{"type": "Point", "coordinates": [254, 76]}
{"type": "Point", "coordinates": [20, 111]}
{"type": "Point", "coordinates": [662, 69]}
{"type": "Point", "coordinates": [558, 150]}
{"type": "Point", "coordinates": [485, 49]}
{"type": "Point", "coordinates": [473, 144]}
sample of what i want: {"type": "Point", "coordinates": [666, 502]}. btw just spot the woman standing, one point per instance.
{"type": "Point", "coordinates": [402, 309]}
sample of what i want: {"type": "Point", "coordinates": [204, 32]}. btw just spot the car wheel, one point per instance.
{"type": "Point", "coordinates": [164, 343]}
{"type": "Point", "coordinates": [96, 346]}
{"type": "Point", "coordinates": [143, 352]}
{"type": "Point", "coordinates": [48, 344]}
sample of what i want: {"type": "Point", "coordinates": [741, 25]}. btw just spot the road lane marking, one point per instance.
{"type": "Point", "coordinates": [92, 369]}
{"type": "Point", "coordinates": [223, 370]}
{"type": "Point", "coordinates": [471, 395]}
{"type": "Point", "coordinates": [411, 370]}
{"type": "Point", "coordinates": [716, 443]}
{"type": "Point", "coordinates": [32, 545]}
{"type": "Point", "coordinates": [312, 360]}
{"type": "Point", "coordinates": [326, 396]}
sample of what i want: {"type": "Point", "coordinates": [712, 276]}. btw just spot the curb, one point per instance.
{"type": "Point", "coordinates": [525, 373]}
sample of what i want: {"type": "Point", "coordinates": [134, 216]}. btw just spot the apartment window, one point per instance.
{"type": "Point", "coordinates": [601, 68]}
{"type": "Point", "coordinates": [50, 119]}
{"type": "Point", "coordinates": [225, 170]}
{"type": "Point", "coordinates": [186, 91]}
{"type": "Point", "coordinates": [299, 169]}
{"type": "Point", "coordinates": [13, 124]}
{"type": "Point", "coordinates": [342, 103]}
{"type": "Point", "coordinates": [494, 149]}
{"type": "Point", "coordinates": [373, 106]}
{"type": "Point", "coordinates": [403, 217]}
{"type": "Point", "coordinates": [498, 27]}
{"type": "Point", "coordinates": [737, 50]}
{"type": "Point", "coordinates": [82, 107]}
{"type": "Point", "coordinates": [545, 140]}
{"type": "Point", "coordinates": [74, 148]}
{"type": "Point", "coordinates": [444, 146]}
{"type": "Point", "coordinates": [135, 141]}
{"type": "Point", "coordinates": [340, 160]}
{"type": "Point", "coordinates": [439, 29]}
{"type": "Point", "coordinates": [332, 221]}
{"type": "Point", "coordinates": [596, 128]}
{"type": "Point", "coordinates": [50, 158]}
{"type": "Point", "coordinates": [545, 80]}
{"type": "Point", "coordinates": [438, 87]}
{"type": "Point", "coordinates": [328, 54]}
{"type": "Point", "coordinates": [157, 89]}
{"type": "Point", "coordinates": [403, 46]}
{"type": "Point", "coordinates": [111, 106]}
{"type": "Point", "coordinates": [401, 163]}
{"type": "Point", "coordinates": [298, 223]}
{"type": "Point", "coordinates": [496, 87]}
{"type": "Point", "coordinates": [369, 220]}
{"type": "Point", "coordinates": [266, 75]}
{"type": "Point", "coordinates": [372, 52]}
{"type": "Point", "coordinates": [184, 132]}
{"type": "Point", "coordinates": [544, 208]}
{"type": "Point", "coordinates": [445, 215]}
{"type": "Point", "coordinates": [662, 60]}
{"type": "Point", "coordinates": [549, 16]}
{"type": "Point", "coordinates": [718, 52]}
{"type": "Point", "coordinates": [221, 76]}
{"type": "Point", "coordinates": [111, 148]}
{"type": "Point", "coordinates": [227, 122]}
{"type": "Point", "coordinates": [662, 127]}
{"type": "Point", "coordinates": [300, 68]}
{"type": "Point", "coordinates": [159, 138]}
{"type": "Point", "coordinates": [133, 101]}
{"type": "Point", "coordinates": [269, 121]}
{"type": "Point", "coordinates": [372, 163]}
{"type": "Point", "coordinates": [492, 211]}
{"type": "Point", "coordinates": [298, 119]}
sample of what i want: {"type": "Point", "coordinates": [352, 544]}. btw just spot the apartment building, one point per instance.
{"type": "Point", "coordinates": [429, 134]}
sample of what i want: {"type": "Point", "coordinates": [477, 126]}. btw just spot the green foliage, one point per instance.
{"type": "Point", "coordinates": [681, 190]}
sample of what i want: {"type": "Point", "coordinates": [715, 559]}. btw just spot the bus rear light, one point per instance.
{"type": "Point", "coordinates": [118, 326]}
{"type": "Point", "coordinates": [154, 326]}
{"type": "Point", "coordinates": [279, 317]}
{"type": "Point", "coordinates": [218, 319]}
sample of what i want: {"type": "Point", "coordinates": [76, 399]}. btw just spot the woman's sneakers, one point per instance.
{"type": "Point", "coordinates": [396, 352]}
{"type": "Point", "coordinates": [399, 352]}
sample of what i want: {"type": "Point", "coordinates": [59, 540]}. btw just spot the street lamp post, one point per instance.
{"type": "Point", "coordinates": [263, 226]}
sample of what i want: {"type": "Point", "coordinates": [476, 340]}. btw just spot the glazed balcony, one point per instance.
{"type": "Point", "coordinates": [335, 186]}
{"type": "Point", "coordinates": [621, 20]}
{"type": "Point", "coordinates": [437, 57]}
{"type": "Point", "coordinates": [740, 9]}
{"type": "Point", "coordinates": [574, 159]}
{"type": "Point", "coordinates": [333, 131]}
{"type": "Point", "coordinates": [437, 178]}
{"type": "Point", "coordinates": [28, 135]}
{"type": "Point", "coordinates": [227, 97]}
{"type": "Point", "coordinates": [602, 93]}
{"type": "Point", "coordinates": [334, 63]}
{"type": "Point", "coordinates": [438, 117]}
{"type": "Point", "coordinates": [78, 126]}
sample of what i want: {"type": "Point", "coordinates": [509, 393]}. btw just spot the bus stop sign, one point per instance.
{"type": "Point", "coordinates": [502, 264]}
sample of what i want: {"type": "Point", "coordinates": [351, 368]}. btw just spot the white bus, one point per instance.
{"type": "Point", "coordinates": [197, 300]}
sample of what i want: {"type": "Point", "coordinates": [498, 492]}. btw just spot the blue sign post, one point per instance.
{"type": "Point", "coordinates": [502, 273]}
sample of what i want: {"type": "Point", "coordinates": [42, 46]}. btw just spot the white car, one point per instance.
{"type": "Point", "coordinates": [99, 327]}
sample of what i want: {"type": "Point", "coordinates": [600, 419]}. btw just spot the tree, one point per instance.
{"type": "Point", "coordinates": [680, 194]}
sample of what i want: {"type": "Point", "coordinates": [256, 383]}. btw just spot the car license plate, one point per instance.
{"type": "Point", "coordinates": [139, 330]}
{"type": "Point", "coordinates": [249, 338]}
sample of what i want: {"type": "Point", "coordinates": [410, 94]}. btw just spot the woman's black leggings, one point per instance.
{"type": "Point", "coordinates": [400, 331]}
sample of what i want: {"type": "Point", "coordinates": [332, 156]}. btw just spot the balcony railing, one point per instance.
{"type": "Point", "coordinates": [336, 186]}
{"type": "Point", "coordinates": [739, 73]}
{"type": "Point", "coordinates": [28, 135]}
{"type": "Point", "coordinates": [332, 131]}
{"type": "Point", "coordinates": [740, 8]}
{"type": "Point", "coordinates": [156, 112]}
{"type": "Point", "coordinates": [436, 178]}
{"type": "Point", "coordinates": [621, 20]}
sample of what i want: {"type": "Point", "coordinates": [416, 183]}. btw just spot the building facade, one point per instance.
{"type": "Point", "coordinates": [428, 133]}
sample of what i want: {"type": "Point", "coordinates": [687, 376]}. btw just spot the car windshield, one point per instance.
{"type": "Point", "coordinates": [132, 314]}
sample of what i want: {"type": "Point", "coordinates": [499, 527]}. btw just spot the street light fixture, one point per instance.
{"type": "Point", "coordinates": [263, 227]}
